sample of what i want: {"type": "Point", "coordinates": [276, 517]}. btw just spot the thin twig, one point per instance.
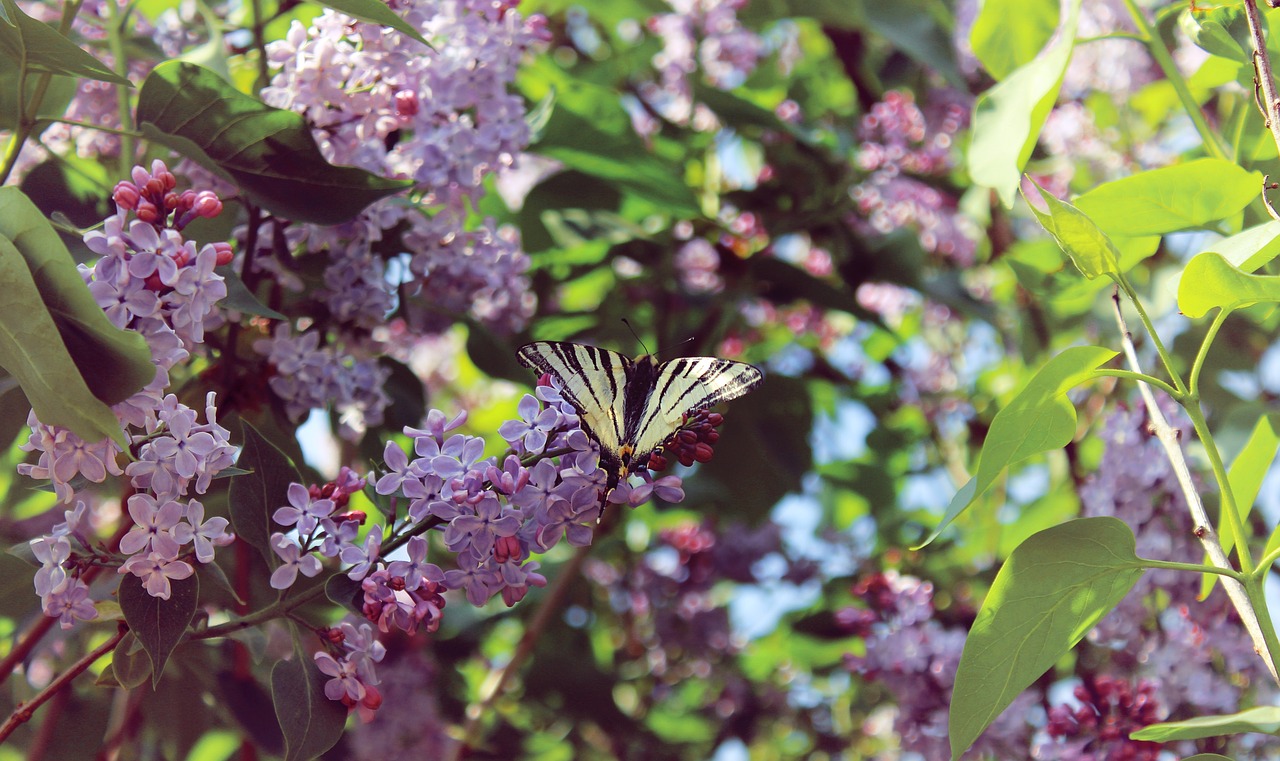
{"type": "Point", "coordinates": [1204, 530]}
{"type": "Point", "coordinates": [497, 681]}
{"type": "Point", "coordinates": [22, 714]}
{"type": "Point", "coordinates": [1270, 103]}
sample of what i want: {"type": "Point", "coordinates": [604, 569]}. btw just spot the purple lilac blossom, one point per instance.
{"type": "Point", "coordinates": [150, 280]}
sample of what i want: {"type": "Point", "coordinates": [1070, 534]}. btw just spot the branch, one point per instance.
{"type": "Point", "coordinates": [22, 714]}
{"type": "Point", "coordinates": [1270, 103]}
{"type": "Point", "coordinates": [497, 680]}
{"type": "Point", "coordinates": [1204, 530]}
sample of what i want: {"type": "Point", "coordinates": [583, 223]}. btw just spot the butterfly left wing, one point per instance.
{"type": "Point", "coordinates": [594, 382]}
{"type": "Point", "coordinates": [685, 386]}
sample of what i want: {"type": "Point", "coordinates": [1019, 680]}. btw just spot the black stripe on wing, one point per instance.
{"type": "Point", "coordinates": [593, 381]}
{"type": "Point", "coordinates": [685, 386]}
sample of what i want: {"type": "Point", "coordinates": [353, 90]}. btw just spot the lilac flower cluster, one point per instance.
{"type": "Point", "coordinates": [901, 142]}
{"type": "Point", "coordinates": [493, 516]}
{"type": "Point", "coordinates": [382, 101]}
{"type": "Point", "coordinates": [1098, 728]}
{"type": "Point", "coordinates": [352, 678]}
{"type": "Point", "coordinates": [701, 35]}
{"type": "Point", "coordinates": [1166, 645]}
{"type": "Point", "coordinates": [915, 657]}
{"type": "Point", "coordinates": [307, 375]}
{"type": "Point", "coordinates": [149, 280]}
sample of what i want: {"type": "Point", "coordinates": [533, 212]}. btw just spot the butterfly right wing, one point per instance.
{"type": "Point", "coordinates": [685, 386]}
{"type": "Point", "coordinates": [594, 382]}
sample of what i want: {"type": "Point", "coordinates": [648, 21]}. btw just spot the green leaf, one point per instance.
{"type": "Point", "coordinates": [1007, 119]}
{"type": "Point", "coordinates": [1165, 200]}
{"type": "Point", "coordinates": [1038, 419]}
{"type": "Point", "coordinates": [375, 12]}
{"type": "Point", "coordinates": [1211, 282]}
{"type": "Point", "coordinates": [342, 590]}
{"type": "Point", "coordinates": [1084, 242]}
{"type": "Point", "coordinates": [54, 339]}
{"type": "Point", "coordinates": [254, 497]}
{"type": "Point", "coordinates": [910, 28]}
{"type": "Point", "coordinates": [241, 299]}
{"type": "Point", "coordinates": [268, 152]}
{"type": "Point", "coordinates": [130, 663]}
{"type": "Point", "coordinates": [1263, 719]}
{"type": "Point", "coordinates": [783, 282]}
{"type": "Point", "coordinates": [590, 131]}
{"type": "Point", "coordinates": [1048, 595]}
{"type": "Point", "coordinates": [43, 50]}
{"type": "Point", "coordinates": [1221, 31]}
{"type": "Point", "coordinates": [1008, 33]}
{"type": "Point", "coordinates": [1245, 477]}
{"type": "Point", "coordinates": [312, 724]}
{"type": "Point", "coordinates": [158, 624]}
{"type": "Point", "coordinates": [1251, 248]}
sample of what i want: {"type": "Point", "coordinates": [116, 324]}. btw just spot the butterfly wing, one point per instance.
{"type": "Point", "coordinates": [594, 382]}
{"type": "Point", "coordinates": [685, 386]}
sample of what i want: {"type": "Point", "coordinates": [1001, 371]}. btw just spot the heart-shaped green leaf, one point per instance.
{"type": "Point", "coordinates": [268, 152]}
{"type": "Point", "coordinates": [255, 496]}
{"type": "Point", "coordinates": [312, 724]}
{"type": "Point", "coordinates": [1048, 595]}
{"type": "Point", "coordinates": [158, 624]}
{"type": "Point", "coordinates": [1209, 281]}
{"type": "Point", "coordinates": [1038, 419]}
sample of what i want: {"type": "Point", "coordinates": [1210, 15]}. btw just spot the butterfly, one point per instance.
{"type": "Point", "coordinates": [631, 406]}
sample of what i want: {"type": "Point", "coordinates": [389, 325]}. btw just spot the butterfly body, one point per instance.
{"type": "Point", "coordinates": [630, 407]}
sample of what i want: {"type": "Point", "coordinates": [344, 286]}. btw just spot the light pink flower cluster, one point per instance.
{"type": "Point", "coordinates": [382, 101]}
{"type": "Point", "coordinates": [150, 280]}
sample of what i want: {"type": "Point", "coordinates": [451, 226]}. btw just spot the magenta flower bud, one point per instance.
{"type": "Point", "coordinates": [126, 195]}
{"type": "Point", "coordinates": [207, 204]}
{"type": "Point", "coordinates": [407, 103]}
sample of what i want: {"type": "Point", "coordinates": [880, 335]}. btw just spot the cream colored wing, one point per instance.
{"type": "Point", "coordinates": [684, 386]}
{"type": "Point", "coordinates": [595, 382]}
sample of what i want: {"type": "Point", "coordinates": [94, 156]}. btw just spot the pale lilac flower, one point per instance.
{"type": "Point", "coordinates": [416, 569]}
{"type": "Point", "coordinates": [52, 552]}
{"type": "Point", "coordinates": [365, 557]}
{"type": "Point", "coordinates": [70, 602]}
{"type": "Point", "coordinates": [206, 534]}
{"type": "Point", "coordinates": [295, 561]}
{"type": "Point", "coordinates": [532, 427]}
{"type": "Point", "coordinates": [155, 570]}
{"type": "Point", "coordinates": [303, 510]}
{"type": "Point", "coordinates": [344, 682]}
{"type": "Point", "coordinates": [153, 526]}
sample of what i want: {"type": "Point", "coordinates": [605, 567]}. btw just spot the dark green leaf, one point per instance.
{"type": "Point", "coordinates": [268, 152]}
{"type": "Point", "coordinates": [1048, 595]}
{"type": "Point", "coordinates": [311, 723]}
{"type": "Point", "coordinates": [241, 299]}
{"type": "Point", "coordinates": [495, 356]}
{"type": "Point", "coordinates": [783, 282]}
{"type": "Point", "coordinates": [158, 624]}
{"type": "Point", "coordinates": [910, 27]}
{"type": "Point", "coordinates": [254, 497]}
{"type": "Point", "coordinates": [54, 338]}
{"type": "Point", "coordinates": [250, 705]}
{"type": "Point", "coordinates": [590, 131]}
{"type": "Point", "coordinates": [42, 50]}
{"type": "Point", "coordinates": [375, 12]}
{"type": "Point", "coordinates": [342, 590]}
{"type": "Point", "coordinates": [130, 663]}
{"type": "Point", "coordinates": [407, 393]}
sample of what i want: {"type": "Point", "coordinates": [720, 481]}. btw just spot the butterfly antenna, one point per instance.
{"type": "Point", "coordinates": [639, 340]}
